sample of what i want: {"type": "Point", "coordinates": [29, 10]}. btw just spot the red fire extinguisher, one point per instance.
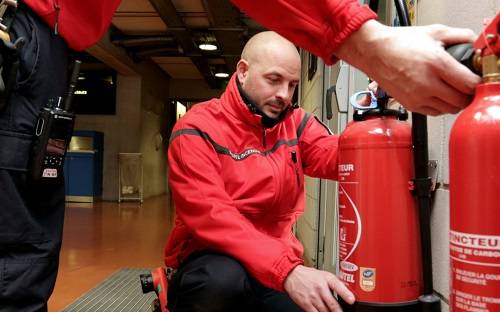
{"type": "Point", "coordinates": [379, 242]}
{"type": "Point", "coordinates": [156, 281]}
{"type": "Point", "coordinates": [474, 186]}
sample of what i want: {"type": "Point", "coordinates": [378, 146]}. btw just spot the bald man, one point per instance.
{"type": "Point", "coordinates": [237, 166]}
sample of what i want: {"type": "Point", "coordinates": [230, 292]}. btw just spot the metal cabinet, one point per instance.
{"type": "Point", "coordinates": [130, 177]}
{"type": "Point", "coordinates": [83, 166]}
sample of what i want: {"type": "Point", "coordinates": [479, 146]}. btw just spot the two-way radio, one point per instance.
{"type": "Point", "coordinates": [53, 133]}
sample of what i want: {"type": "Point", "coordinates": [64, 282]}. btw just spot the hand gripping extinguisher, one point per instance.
{"type": "Point", "coordinates": [474, 186]}
{"type": "Point", "coordinates": [156, 281]}
{"type": "Point", "coordinates": [379, 242]}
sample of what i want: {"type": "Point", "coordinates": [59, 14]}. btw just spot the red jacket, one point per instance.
{"type": "Point", "coordinates": [319, 26]}
{"type": "Point", "coordinates": [80, 22]}
{"type": "Point", "coordinates": [239, 188]}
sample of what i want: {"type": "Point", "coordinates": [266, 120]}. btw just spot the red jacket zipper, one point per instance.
{"type": "Point", "coordinates": [294, 160]}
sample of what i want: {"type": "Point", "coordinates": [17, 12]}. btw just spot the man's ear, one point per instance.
{"type": "Point", "coordinates": [242, 71]}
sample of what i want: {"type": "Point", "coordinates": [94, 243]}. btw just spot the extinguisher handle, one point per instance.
{"type": "Point", "coordinates": [464, 53]}
{"type": "Point", "coordinates": [373, 100]}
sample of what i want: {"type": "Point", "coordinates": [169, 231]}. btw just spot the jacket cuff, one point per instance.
{"type": "Point", "coordinates": [357, 17]}
{"type": "Point", "coordinates": [282, 268]}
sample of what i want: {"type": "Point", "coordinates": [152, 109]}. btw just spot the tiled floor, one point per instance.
{"type": "Point", "coordinates": [101, 238]}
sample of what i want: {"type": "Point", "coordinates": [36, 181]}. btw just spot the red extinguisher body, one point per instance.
{"type": "Point", "coordinates": [475, 204]}
{"type": "Point", "coordinates": [379, 241]}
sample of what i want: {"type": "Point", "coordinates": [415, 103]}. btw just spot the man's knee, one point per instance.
{"type": "Point", "coordinates": [211, 283]}
{"type": "Point", "coordinates": [217, 274]}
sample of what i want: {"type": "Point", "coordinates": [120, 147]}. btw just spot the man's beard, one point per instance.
{"type": "Point", "coordinates": [267, 121]}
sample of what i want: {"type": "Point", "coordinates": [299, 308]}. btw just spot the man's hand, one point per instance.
{"type": "Point", "coordinates": [312, 289]}
{"type": "Point", "coordinates": [411, 64]}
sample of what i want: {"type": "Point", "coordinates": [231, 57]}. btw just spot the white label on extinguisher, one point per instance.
{"type": "Point", "coordinates": [475, 269]}
{"type": "Point", "coordinates": [475, 249]}
{"type": "Point", "coordinates": [367, 279]}
{"type": "Point", "coordinates": [464, 301]}
{"type": "Point", "coordinates": [348, 250]}
{"type": "Point", "coordinates": [345, 171]}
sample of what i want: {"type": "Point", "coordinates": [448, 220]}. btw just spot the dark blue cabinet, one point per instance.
{"type": "Point", "coordinates": [83, 166]}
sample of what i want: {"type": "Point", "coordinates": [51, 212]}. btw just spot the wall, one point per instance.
{"type": "Point", "coordinates": [140, 116]}
{"type": "Point", "coordinates": [458, 13]}
{"type": "Point", "coordinates": [152, 145]}
{"type": "Point", "coordinates": [310, 98]}
{"type": "Point", "coordinates": [121, 131]}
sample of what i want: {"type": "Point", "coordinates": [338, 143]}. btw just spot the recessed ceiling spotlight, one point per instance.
{"type": "Point", "coordinates": [207, 47]}
{"type": "Point", "coordinates": [221, 75]}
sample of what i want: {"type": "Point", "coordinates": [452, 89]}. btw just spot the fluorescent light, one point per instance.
{"type": "Point", "coordinates": [207, 47]}
{"type": "Point", "coordinates": [222, 75]}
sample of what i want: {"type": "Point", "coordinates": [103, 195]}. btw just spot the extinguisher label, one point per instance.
{"type": "Point", "coordinates": [475, 270]}
{"type": "Point", "coordinates": [345, 171]}
{"type": "Point", "coordinates": [367, 279]}
{"type": "Point", "coordinates": [350, 227]}
{"type": "Point", "coordinates": [475, 249]}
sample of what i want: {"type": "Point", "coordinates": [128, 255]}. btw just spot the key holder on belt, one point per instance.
{"type": "Point", "coordinates": [9, 51]}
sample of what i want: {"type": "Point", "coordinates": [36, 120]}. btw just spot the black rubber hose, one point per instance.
{"type": "Point", "coordinates": [429, 302]}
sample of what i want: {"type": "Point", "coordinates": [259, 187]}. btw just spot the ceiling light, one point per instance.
{"type": "Point", "coordinates": [207, 47]}
{"type": "Point", "coordinates": [221, 75]}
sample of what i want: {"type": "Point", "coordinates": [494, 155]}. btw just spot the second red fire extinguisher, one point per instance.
{"type": "Point", "coordinates": [379, 243]}
{"type": "Point", "coordinates": [474, 184]}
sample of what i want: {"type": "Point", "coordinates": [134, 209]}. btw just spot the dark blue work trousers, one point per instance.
{"type": "Point", "coordinates": [217, 283]}
{"type": "Point", "coordinates": [31, 213]}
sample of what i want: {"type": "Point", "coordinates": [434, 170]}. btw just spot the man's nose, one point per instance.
{"type": "Point", "coordinates": [283, 92]}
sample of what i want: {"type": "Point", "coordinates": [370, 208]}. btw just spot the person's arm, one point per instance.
{"type": "Point", "coordinates": [319, 26]}
{"type": "Point", "coordinates": [210, 214]}
{"type": "Point", "coordinates": [310, 288]}
{"type": "Point", "coordinates": [80, 23]}
{"type": "Point", "coordinates": [412, 66]}
{"type": "Point", "coordinates": [318, 147]}
{"type": "Point", "coordinates": [410, 63]}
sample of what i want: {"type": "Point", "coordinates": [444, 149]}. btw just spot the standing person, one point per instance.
{"type": "Point", "coordinates": [32, 213]}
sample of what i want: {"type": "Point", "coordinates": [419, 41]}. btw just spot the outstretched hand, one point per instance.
{"type": "Point", "coordinates": [312, 289]}
{"type": "Point", "coordinates": [411, 64]}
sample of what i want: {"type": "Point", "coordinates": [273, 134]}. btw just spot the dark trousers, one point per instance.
{"type": "Point", "coordinates": [217, 283]}
{"type": "Point", "coordinates": [31, 214]}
